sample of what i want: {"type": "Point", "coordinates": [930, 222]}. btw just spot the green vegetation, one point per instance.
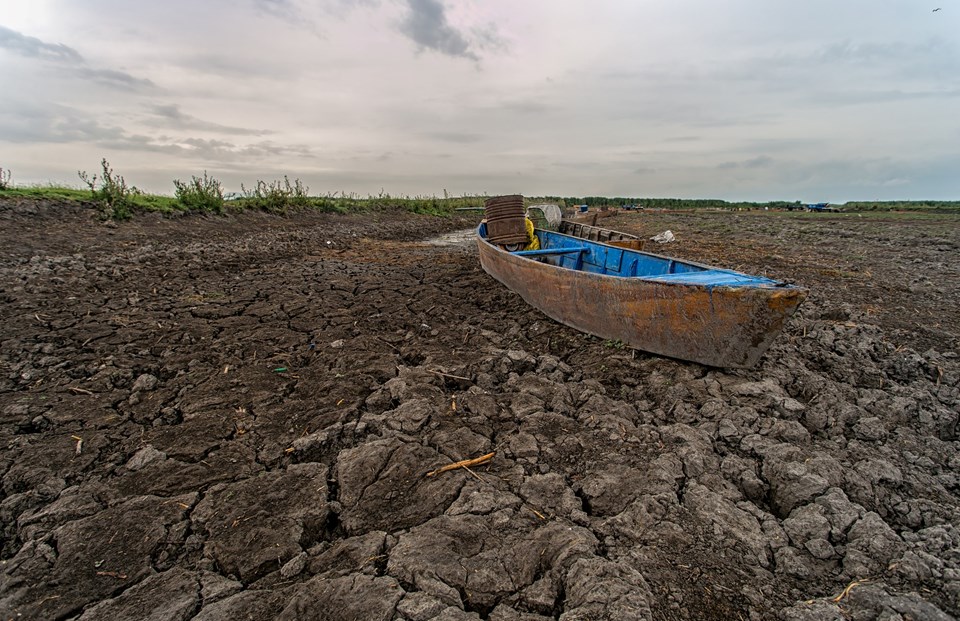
{"type": "Point", "coordinates": [276, 197]}
{"type": "Point", "coordinates": [111, 191]}
{"type": "Point", "coordinates": [200, 194]}
{"type": "Point", "coordinates": [205, 194]}
{"type": "Point", "coordinates": [902, 206]}
{"type": "Point", "coordinates": [119, 201]}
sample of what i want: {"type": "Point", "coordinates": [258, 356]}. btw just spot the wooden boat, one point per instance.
{"type": "Point", "coordinates": [596, 233]}
{"type": "Point", "coordinates": [658, 304]}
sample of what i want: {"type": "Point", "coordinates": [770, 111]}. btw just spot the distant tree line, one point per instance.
{"type": "Point", "coordinates": [901, 205]}
{"type": "Point", "coordinates": [675, 203]}
{"type": "Point", "coordinates": [712, 203]}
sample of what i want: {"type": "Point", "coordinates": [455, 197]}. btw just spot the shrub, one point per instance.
{"type": "Point", "coordinates": [111, 191]}
{"type": "Point", "coordinates": [275, 197]}
{"type": "Point", "coordinates": [200, 194]}
{"type": "Point", "coordinates": [4, 178]}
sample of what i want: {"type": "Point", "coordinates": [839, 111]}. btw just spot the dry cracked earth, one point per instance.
{"type": "Point", "coordinates": [234, 417]}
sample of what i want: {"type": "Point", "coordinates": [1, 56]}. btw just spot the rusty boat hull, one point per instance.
{"type": "Point", "coordinates": [665, 306]}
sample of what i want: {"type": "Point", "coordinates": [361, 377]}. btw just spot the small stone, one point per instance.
{"type": "Point", "coordinates": [294, 566]}
{"type": "Point", "coordinates": [870, 428]}
{"type": "Point", "coordinates": [819, 548]}
{"type": "Point", "coordinates": [145, 382]}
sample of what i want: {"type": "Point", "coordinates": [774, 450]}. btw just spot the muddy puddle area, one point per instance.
{"type": "Point", "coordinates": [234, 418]}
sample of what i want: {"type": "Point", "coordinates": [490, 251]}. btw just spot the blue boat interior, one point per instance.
{"type": "Point", "coordinates": [588, 256]}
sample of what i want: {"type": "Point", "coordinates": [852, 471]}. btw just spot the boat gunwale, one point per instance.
{"type": "Point", "coordinates": [772, 285]}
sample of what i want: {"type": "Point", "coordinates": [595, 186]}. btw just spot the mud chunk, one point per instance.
{"type": "Point", "coordinates": [481, 500]}
{"type": "Point", "coordinates": [817, 610]}
{"type": "Point", "coordinates": [504, 612]}
{"type": "Point", "coordinates": [789, 561]}
{"type": "Point", "coordinates": [294, 566]}
{"type": "Point", "coordinates": [550, 493]}
{"type": "Point", "coordinates": [875, 539]}
{"type": "Point", "coordinates": [694, 448]}
{"type": "Point", "coordinates": [523, 445]}
{"type": "Point", "coordinates": [520, 361]}
{"type": "Point", "coordinates": [789, 431]}
{"type": "Point", "coordinates": [350, 555]}
{"type": "Point", "coordinates": [806, 523]}
{"type": "Point", "coordinates": [73, 503]}
{"type": "Point", "coordinates": [383, 485]}
{"type": "Point", "coordinates": [170, 596]}
{"type": "Point", "coordinates": [143, 457]}
{"type": "Point", "coordinates": [460, 443]}
{"type": "Point", "coordinates": [419, 606]}
{"type": "Point", "coordinates": [214, 587]}
{"type": "Point", "coordinates": [819, 548]}
{"type": "Point", "coordinates": [145, 382]}
{"type": "Point", "coordinates": [601, 589]}
{"type": "Point", "coordinates": [455, 614]}
{"type": "Point", "coordinates": [791, 484]}
{"type": "Point", "coordinates": [350, 597]}
{"type": "Point", "coordinates": [874, 601]}
{"type": "Point", "coordinates": [410, 416]}
{"type": "Point", "coordinates": [733, 525]}
{"type": "Point", "coordinates": [523, 404]}
{"type": "Point", "coordinates": [257, 524]}
{"type": "Point", "coordinates": [89, 566]}
{"type": "Point", "coordinates": [542, 595]}
{"type": "Point", "coordinates": [871, 481]}
{"type": "Point", "coordinates": [253, 604]}
{"type": "Point", "coordinates": [166, 477]}
{"type": "Point", "coordinates": [608, 491]}
{"type": "Point", "coordinates": [839, 511]}
{"type": "Point", "coordinates": [870, 428]}
{"type": "Point", "coordinates": [766, 387]}
{"type": "Point", "coordinates": [485, 557]}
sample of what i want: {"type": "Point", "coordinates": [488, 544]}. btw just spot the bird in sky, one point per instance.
{"type": "Point", "coordinates": [935, 10]}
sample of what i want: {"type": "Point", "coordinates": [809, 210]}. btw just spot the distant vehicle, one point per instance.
{"type": "Point", "coordinates": [232, 196]}
{"type": "Point", "coordinates": [818, 207]}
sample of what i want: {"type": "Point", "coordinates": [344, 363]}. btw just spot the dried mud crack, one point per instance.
{"type": "Point", "coordinates": [225, 418]}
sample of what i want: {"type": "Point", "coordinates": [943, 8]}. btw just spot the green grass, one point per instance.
{"type": "Point", "coordinates": [286, 197]}
{"type": "Point", "coordinates": [331, 203]}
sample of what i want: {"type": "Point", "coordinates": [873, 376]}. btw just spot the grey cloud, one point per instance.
{"type": "Point", "coordinates": [530, 106]}
{"type": "Point", "coordinates": [427, 26]}
{"type": "Point", "coordinates": [22, 123]}
{"type": "Point", "coordinates": [881, 96]}
{"type": "Point", "coordinates": [25, 123]}
{"type": "Point", "coordinates": [759, 161]}
{"type": "Point", "coordinates": [113, 78]}
{"type": "Point", "coordinates": [457, 137]}
{"type": "Point", "coordinates": [489, 38]}
{"type": "Point", "coordinates": [170, 116]}
{"type": "Point", "coordinates": [70, 60]}
{"type": "Point", "coordinates": [33, 47]}
{"type": "Point", "coordinates": [207, 150]}
{"type": "Point", "coordinates": [284, 9]}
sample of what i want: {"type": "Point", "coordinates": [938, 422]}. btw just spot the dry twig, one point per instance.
{"type": "Point", "coordinates": [847, 590]}
{"type": "Point", "coordinates": [465, 463]}
{"type": "Point", "coordinates": [466, 379]}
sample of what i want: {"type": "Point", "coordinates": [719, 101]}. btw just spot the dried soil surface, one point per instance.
{"type": "Point", "coordinates": [233, 418]}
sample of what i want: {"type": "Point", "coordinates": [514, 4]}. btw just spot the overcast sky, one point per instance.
{"type": "Point", "coordinates": [821, 100]}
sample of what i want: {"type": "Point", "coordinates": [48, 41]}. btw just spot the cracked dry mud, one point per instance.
{"type": "Point", "coordinates": [232, 418]}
